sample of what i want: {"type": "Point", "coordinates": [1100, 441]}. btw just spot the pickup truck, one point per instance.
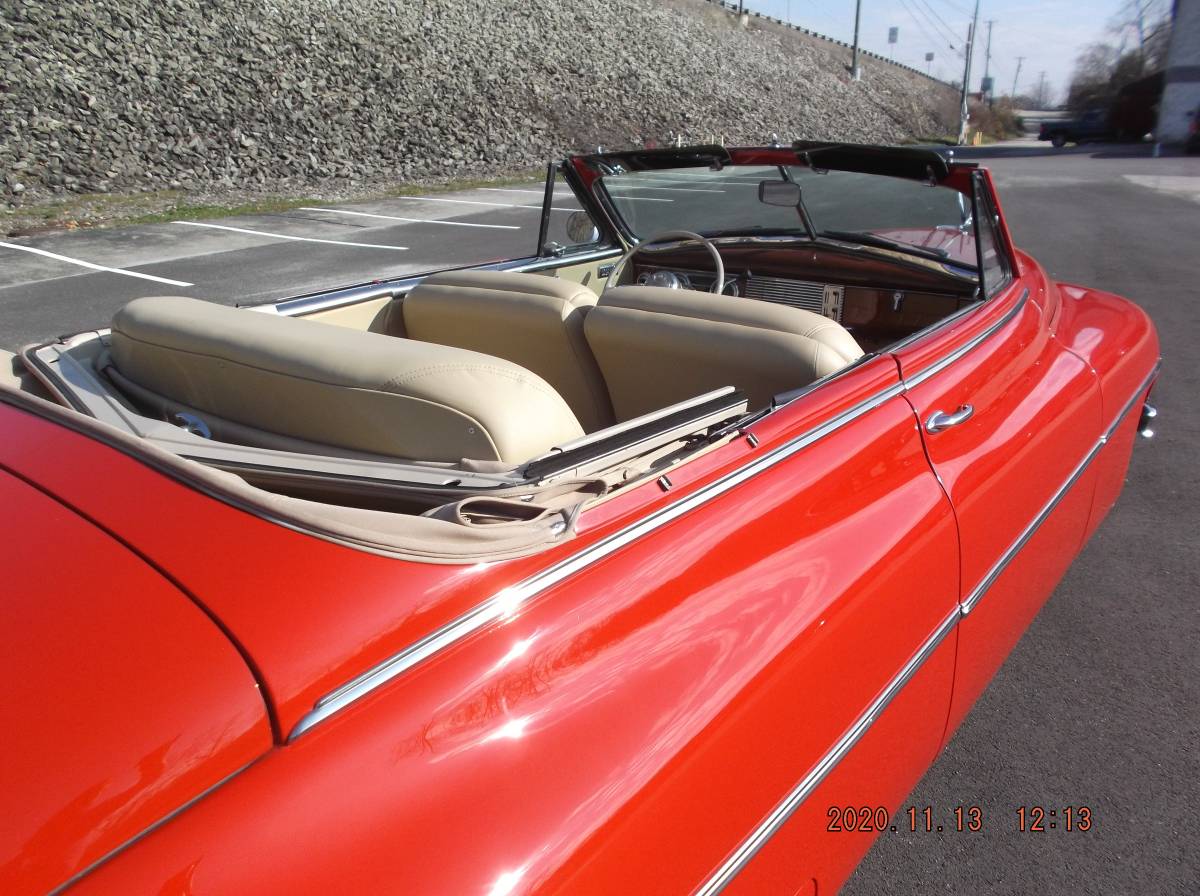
{"type": "Point", "coordinates": [1093, 125]}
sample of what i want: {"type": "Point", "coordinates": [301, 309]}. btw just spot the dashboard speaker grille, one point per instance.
{"type": "Point", "coordinates": [820, 298]}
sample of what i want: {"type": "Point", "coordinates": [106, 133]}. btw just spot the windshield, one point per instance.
{"type": "Point", "coordinates": [841, 205]}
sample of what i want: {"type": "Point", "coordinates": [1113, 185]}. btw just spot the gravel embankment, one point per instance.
{"type": "Point", "coordinates": [125, 95]}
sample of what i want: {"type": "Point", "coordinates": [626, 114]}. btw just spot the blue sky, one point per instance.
{"type": "Point", "coordinates": [1048, 34]}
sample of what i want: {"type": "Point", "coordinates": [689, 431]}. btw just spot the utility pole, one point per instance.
{"type": "Point", "coordinates": [1020, 59]}
{"type": "Point", "coordinates": [965, 111]}
{"type": "Point", "coordinates": [854, 72]}
{"type": "Point", "coordinates": [1041, 94]}
{"type": "Point", "coordinates": [987, 60]}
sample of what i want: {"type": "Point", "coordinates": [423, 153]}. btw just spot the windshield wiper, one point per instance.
{"type": "Point", "coordinates": [882, 242]}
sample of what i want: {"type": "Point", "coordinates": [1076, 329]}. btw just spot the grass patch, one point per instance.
{"type": "Point", "coordinates": [161, 206]}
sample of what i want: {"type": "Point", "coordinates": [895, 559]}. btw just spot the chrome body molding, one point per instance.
{"type": "Point", "coordinates": [790, 803]}
{"type": "Point", "coordinates": [942, 363]}
{"type": "Point", "coordinates": [977, 593]}
{"type": "Point", "coordinates": [392, 288]}
{"type": "Point", "coordinates": [508, 601]}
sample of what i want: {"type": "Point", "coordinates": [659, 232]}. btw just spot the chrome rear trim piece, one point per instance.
{"type": "Point", "coordinates": [788, 806]}
{"type": "Point", "coordinates": [517, 596]}
{"type": "Point", "coordinates": [782, 812]}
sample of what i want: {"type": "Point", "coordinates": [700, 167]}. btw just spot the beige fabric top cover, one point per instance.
{"type": "Point", "coordinates": [337, 386]}
{"type": "Point", "coordinates": [530, 319]}
{"type": "Point", "coordinates": [658, 346]}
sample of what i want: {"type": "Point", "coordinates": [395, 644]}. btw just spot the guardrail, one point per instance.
{"type": "Point", "coordinates": [733, 8]}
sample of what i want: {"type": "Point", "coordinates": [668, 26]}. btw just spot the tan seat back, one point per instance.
{"type": "Point", "coordinates": [336, 386]}
{"type": "Point", "coordinates": [532, 320]}
{"type": "Point", "coordinates": [658, 346]}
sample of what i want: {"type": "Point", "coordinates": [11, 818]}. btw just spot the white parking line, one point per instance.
{"type": "Point", "coordinates": [511, 190]}
{"type": "Point", "coordinates": [698, 179]}
{"type": "Point", "coordinates": [282, 236]}
{"type": "Point", "coordinates": [95, 267]}
{"type": "Point", "coordinates": [667, 189]}
{"type": "Point", "coordinates": [342, 211]}
{"type": "Point", "coordinates": [481, 202]}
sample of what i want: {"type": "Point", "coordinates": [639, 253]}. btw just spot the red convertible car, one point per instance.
{"type": "Point", "coordinates": [662, 561]}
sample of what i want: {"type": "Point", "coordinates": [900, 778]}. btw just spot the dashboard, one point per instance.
{"type": "Point", "coordinates": [878, 301]}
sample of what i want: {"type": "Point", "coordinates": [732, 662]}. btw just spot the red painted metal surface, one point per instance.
{"type": "Point", "coordinates": [627, 729]}
{"type": "Point", "coordinates": [122, 700]}
{"type": "Point", "coordinates": [692, 678]}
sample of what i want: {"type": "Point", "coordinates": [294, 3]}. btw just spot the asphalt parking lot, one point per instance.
{"type": "Point", "coordinates": [1098, 705]}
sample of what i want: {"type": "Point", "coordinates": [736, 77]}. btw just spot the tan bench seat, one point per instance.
{"type": "Point", "coordinates": [338, 387]}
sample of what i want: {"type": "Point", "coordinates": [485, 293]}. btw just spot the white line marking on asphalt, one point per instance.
{"type": "Point", "coordinates": [668, 189]}
{"type": "Point", "coordinates": [342, 211]}
{"type": "Point", "coordinates": [95, 267]}
{"type": "Point", "coordinates": [511, 190]}
{"type": "Point", "coordinates": [699, 179]}
{"type": "Point", "coordinates": [281, 236]}
{"type": "Point", "coordinates": [553, 208]}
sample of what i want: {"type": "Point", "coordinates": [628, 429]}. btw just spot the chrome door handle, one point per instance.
{"type": "Point", "coordinates": [940, 420]}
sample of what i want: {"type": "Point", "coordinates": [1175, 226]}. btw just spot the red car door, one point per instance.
{"type": "Point", "coordinates": [1009, 416]}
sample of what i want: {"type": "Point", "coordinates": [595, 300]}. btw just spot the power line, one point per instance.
{"type": "Point", "coordinates": [935, 40]}
{"type": "Point", "coordinates": [937, 18]}
{"type": "Point", "coordinates": [947, 32]}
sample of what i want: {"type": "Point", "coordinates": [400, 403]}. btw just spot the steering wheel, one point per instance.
{"type": "Point", "coordinates": [718, 284]}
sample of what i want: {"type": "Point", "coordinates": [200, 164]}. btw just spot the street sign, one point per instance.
{"type": "Point", "coordinates": [893, 34]}
{"type": "Point", "coordinates": [986, 87]}
{"type": "Point", "coordinates": [929, 57]}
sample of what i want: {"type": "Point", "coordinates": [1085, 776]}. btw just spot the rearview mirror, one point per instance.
{"type": "Point", "coordinates": [580, 228]}
{"type": "Point", "coordinates": [783, 193]}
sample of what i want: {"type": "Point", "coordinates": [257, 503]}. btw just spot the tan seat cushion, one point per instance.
{"type": "Point", "coordinates": [658, 346]}
{"type": "Point", "coordinates": [529, 319]}
{"type": "Point", "coordinates": [336, 386]}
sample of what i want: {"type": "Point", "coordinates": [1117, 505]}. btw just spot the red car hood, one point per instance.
{"type": "Point", "coordinates": [123, 700]}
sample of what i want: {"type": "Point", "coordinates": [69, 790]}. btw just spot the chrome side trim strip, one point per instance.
{"type": "Point", "coordinates": [788, 806]}
{"type": "Point", "coordinates": [976, 595]}
{"type": "Point", "coordinates": [506, 602]}
{"type": "Point", "coordinates": [942, 363]}
{"type": "Point", "coordinates": [782, 812]}
{"type": "Point", "coordinates": [362, 293]}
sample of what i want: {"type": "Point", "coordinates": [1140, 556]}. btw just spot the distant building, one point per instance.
{"type": "Point", "coordinates": [1181, 93]}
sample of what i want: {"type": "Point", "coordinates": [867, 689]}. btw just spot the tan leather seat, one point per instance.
{"type": "Point", "coordinates": [658, 346]}
{"type": "Point", "coordinates": [529, 319]}
{"type": "Point", "coordinates": [336, 386]}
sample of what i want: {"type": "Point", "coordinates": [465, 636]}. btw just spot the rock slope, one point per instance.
{"type": "Point", "coordinates": [99, 95]}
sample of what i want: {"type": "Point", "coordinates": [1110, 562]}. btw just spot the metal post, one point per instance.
{"type": "Point", "coordinates": [987, 55]}
{"type": "Point", "coordinates": [854, 72]}
{"type": "Point", "coordinates": [965, 111]}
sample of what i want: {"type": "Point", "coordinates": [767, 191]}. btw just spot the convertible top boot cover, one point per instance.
{"type": "Point", "coordinates": [336, 386]}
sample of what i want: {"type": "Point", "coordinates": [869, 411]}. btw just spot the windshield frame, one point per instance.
{"type": "Point", "coordinates": [586, 173]}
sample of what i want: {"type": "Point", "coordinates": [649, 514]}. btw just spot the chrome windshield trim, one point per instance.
{"type": "Point", "coordinates": [942, 363]}
{"type": "Point", "coordinates": [796, 797]}
{"type": "Point", "coordinates": [972, 600]}
{"type": "Point", "coordinates": [509, 600]}
{"type": "Point", "coordinates": [770, 825]}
